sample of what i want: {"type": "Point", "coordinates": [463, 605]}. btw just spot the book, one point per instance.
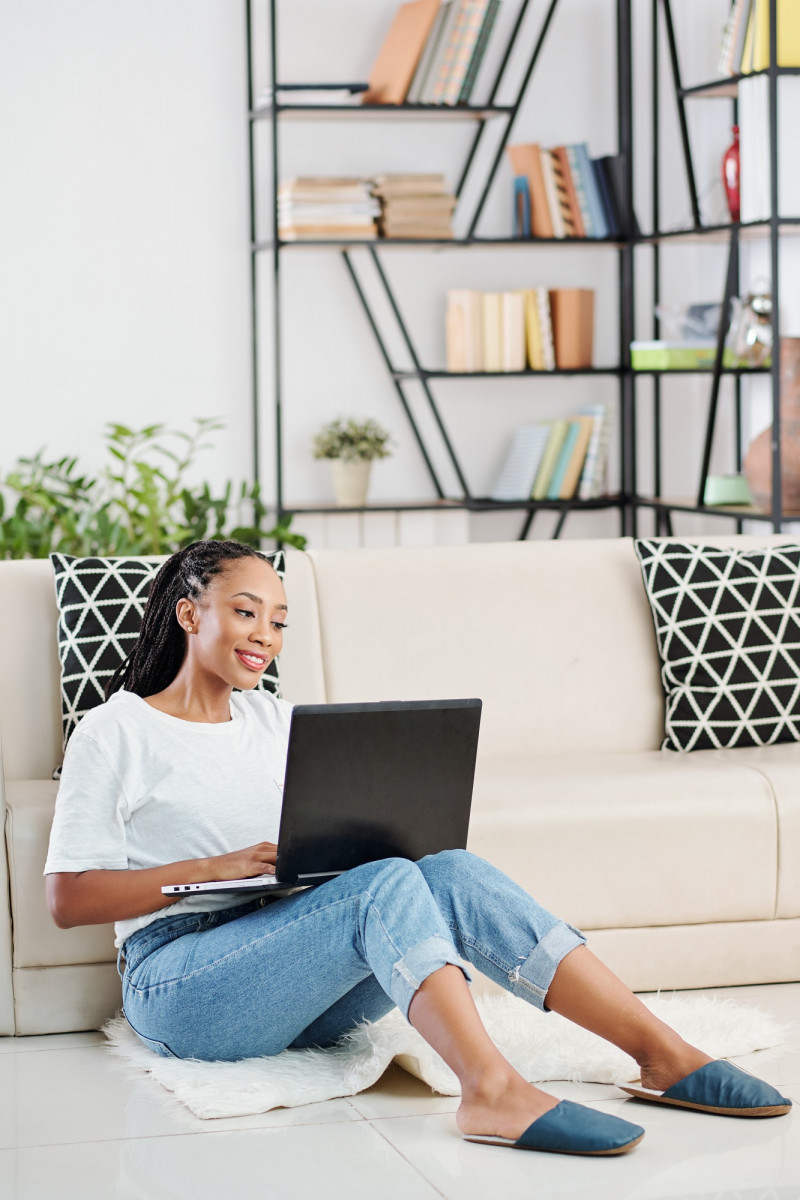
{"type": "Point", "coordinates": [449, 42]}
{"type": "Point", "coordinates": [732, 49]}
{"type": "Point", "coordinates": [572, 316]}
{"type": "Point", "coordinates": [471, 31]}
{"type": "Point", "coordinates": [574, 467]}
{"type": "Point", "coordinates": [492, 331]}
{"type": "Point", "coordinates": [551, 193]}
{"type": "Point", "coordinates": [580, 191]}
{"type": "Point", "coordinates": [587, 178]}
{"type": "Point", "coordinates": [533, 333]}
{"type": "Point", "coordinates": [479, 51]}
{"type": "Point", "coordinates": [526, 160]}
{"type": "Point", "coordinates": [558, 432]}
{"type": "Point", "coordinates": [513, 327]}
{"type": "Point", "coordinates": [417, 85]}
{"type": "Point", "coordinates": [522, 207]}
{"type": "Point", "coordinates": [614, 168]}
{"type": "Point", "coordinates": [560, 469]}
{"type": "Point", "coordinates": [593, 474]}
{"type": "Point", "coordinates": [788, 35]}
{"type": "Point", "coordinates": [464, 330]}
{"type": "Point", "coordinates": [393, 70]}
{"type": "Point", "coordinates": [606, 197]}
{"type": "Point", "coordinates": [565, 193]}
{"type": "Point", "coordinates": [545, 329]}
{"type": "Point", "coordinates": [518, 472]}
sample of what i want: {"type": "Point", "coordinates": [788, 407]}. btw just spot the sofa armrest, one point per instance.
{"type": "Point", "coordinates": [7, 1024]}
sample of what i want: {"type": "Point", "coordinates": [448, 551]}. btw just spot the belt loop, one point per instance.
{"type": "Point", "coordinates": [120, 959]}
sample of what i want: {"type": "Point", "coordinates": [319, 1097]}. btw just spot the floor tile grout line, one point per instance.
{"type": "Point", "coordinates": [413, 1165]}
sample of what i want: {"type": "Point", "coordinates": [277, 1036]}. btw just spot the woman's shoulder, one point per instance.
{"type": "Point", "coordinates": [119, 711]}
{"type": "Point", "coordinates": [262, 707]}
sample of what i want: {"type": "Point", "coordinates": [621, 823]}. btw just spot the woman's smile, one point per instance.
{"type": "Point", "coordinates": [253, 662]}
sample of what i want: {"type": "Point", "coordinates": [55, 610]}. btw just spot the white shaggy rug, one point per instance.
{"type": "Point", "coordinates": [540, 1045]}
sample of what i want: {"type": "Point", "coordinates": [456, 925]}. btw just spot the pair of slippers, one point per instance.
{"type": "Point", "coordinates": [718, 1087]}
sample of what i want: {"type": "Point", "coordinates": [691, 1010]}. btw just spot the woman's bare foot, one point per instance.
{"type": "Point", "coordinates": [502, 1105]}
{"type": "Point", "coordinates": [674, 1060]}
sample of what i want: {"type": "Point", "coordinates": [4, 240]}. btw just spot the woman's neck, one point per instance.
{"type": "Point", "coordinates": [190, 700]}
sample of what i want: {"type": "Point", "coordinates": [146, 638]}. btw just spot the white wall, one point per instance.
{"type": "Point", "coordinates": [125, 287]}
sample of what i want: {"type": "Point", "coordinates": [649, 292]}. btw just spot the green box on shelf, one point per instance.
{"type": "Point", "coordinates": [676, 356]}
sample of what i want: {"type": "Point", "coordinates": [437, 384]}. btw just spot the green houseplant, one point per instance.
{"type": "Point", "coordinates": [139, 504]}
{"type": "Point", "coordinates": [351, 446]}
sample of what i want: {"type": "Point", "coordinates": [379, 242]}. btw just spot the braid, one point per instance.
{"type": "Point", "coordinates": [156, 658]}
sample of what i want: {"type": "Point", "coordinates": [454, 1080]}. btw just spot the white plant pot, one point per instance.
{"type": "Point", "coordinates": [350, 481]}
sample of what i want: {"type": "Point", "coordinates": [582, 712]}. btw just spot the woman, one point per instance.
{"type": "Point", "coordinates": [166, 783]}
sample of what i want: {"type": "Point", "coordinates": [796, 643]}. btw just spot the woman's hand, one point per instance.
{"type": "Point", "coordinates": [94, 897]}
{"type": "Point", "coordinates": [243, 864]}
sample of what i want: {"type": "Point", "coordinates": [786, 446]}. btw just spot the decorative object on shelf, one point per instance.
{"type": "Point", "coordinates": [758, 459]}
{"type": "Point", "coordinates": [351, 446]}
{"type": "Point", "coordinates": [727, 491]}
{"type": "Point", "coordinates": [750, 335]}
{"type": "Point", "coordinates": [730, 175]}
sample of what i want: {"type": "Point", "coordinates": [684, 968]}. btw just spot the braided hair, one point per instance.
{"type": "Point", "coordinates": [158, 653]}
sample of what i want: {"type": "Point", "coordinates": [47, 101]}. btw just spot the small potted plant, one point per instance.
{"type": "Point", "coordinates": [351, 446]}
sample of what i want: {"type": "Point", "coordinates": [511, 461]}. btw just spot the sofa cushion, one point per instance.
{"type": "Point", "coordinates": [37, 941]}
{"type": "Point", "coordinates": [728, 629]}
{"type": "Point", "coordinates": [100, 606]}
{"type": "Point", "coordinates": [622, 840]}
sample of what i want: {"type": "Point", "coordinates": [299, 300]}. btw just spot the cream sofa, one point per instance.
{"type": "Point", "coordinates": [684, 869]}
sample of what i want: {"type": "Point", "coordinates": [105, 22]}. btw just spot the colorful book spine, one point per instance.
{"type": "Point", "coordinates": [479, 51]}
{"type": "Point", "coordinates": [560, 168]}
{"type": "Point", "coordinates": [554, 490]}
{"type": "Point", "coordinates": [592, 483]}
{"type": "Point", "coordinates": [549, 460]}
{"type": "Point", "coordinates": [580, 192]}
{"type": "Point", "coordinates": [492, 327]}
{"type": "Point", "coordinates": [443, 44]}
{"type": "Point", "coordinates": [606, 197]}
{"type": "Point", "coordinates": [592, 195]}
{"type": "Point", "coordinates": [533, 333]}
{"type": "Point", "coordinates": [414, 95]}
{"type": "Point", "coordinates": [448, 59]}
{"type": "Point", "coordinates": [458, 71]}
{"type": "Point", "coordinates": [546, 328]}
{"type": "Point", "coordinates": [551, 193]}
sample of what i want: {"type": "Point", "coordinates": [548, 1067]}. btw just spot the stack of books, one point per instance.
{"type": "Point", "coordinates": [414, 206]}
{"type": "Point", "coordinates": [536, 329]}
{"type": "Point", "coordinates": [322, 207]}
{"type": "Point", "coordinates": [432, 52]}
{"type": "Point", "coordinates": [558, 460]}
{"type": "Point", "coordinates": [745, 39]}
{"type": "Point", "coordinates": [561, 192]}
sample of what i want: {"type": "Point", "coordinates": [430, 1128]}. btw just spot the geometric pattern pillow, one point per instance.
{"type": "Point", "coordinates": [727, 624]}
{"type": "Point", "coordinates": [100, 606]}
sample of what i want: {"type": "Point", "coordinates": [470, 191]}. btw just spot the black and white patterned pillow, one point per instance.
{"type": "Point", "coordinates": [728, 629]}
{"type": "Point", "coordinates": [100, 606]}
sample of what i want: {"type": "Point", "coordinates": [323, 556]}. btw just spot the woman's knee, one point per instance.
{"type": "Point", "coordinates": [451, 866]}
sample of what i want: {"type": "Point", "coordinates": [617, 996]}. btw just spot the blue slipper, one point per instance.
{"type": "Point", "coordinates": [571, 1129]}
{"type": "Point", "coordinates": [719, 1087]}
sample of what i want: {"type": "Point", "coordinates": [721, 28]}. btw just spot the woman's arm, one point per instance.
{"type": "Point", "coordinates": [96, 897]}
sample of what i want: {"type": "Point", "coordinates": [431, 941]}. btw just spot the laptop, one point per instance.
{"type": "Point", "coordinates": [368, 781]}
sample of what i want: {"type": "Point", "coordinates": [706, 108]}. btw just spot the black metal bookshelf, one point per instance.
{"type": "Point", "coordinates": [770, 229]}
{"type": "Point", "coordinates": [356, 254]}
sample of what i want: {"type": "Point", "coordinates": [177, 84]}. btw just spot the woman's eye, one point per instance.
{"type": "Point", "coordinates": [279, 625]}
{"type": "Point", "coordinates": [245, 612]}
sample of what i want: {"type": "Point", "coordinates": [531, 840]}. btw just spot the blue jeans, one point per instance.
{"type": "Point", "coordinates": [303, 970]}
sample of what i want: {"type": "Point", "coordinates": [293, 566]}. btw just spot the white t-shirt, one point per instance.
{"type": "Point", "coordinates": [140, 788]}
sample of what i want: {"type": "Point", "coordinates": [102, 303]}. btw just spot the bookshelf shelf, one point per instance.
{"type": "Point", "coordinates": [424, 373]}
{"type": "Point", "coordinates": [381, 112]}
{"type": "Point", "coordinates": [726, 88]}
{"type": "Point", "coordinates": [364, 256]}
{"type": "Point", "coordinates": [739, 512]}
{"type": "Point", "coordinates": [744, 230]}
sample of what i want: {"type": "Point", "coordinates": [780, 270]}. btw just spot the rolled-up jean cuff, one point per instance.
{"type": "Point", "coordinates": [531, 979]}
{"type": "Point", "coordinates": [417, 964]}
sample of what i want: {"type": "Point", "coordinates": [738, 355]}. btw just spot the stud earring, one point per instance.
{"type": "Point", "coordinates": [190, 628]}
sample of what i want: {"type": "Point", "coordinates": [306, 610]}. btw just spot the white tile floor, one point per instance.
{"type": "Point", "coordinates": [76, 1125]}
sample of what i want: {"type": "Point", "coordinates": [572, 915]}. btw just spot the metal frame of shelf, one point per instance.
{"type": "Point", "coordinates": [418, 375]}
{"type": "Point", "coordinates": [735, 233]}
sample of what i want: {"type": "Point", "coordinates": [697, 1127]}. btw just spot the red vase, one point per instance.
{"type": "Point", "coordinates": [730, 175]}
